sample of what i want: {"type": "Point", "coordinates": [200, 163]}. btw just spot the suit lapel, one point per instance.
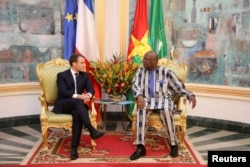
{"type": "Point", "coordinates": [70, 78]}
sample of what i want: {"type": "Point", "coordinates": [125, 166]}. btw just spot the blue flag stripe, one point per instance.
{"type": "Point", "coordinates": [88, 3]}
{"type": "Point", "coordinates": [70, 27]}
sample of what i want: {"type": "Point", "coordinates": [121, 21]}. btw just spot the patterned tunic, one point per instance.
{"type": "Point", "coordinates": [157, 95]}
{"type": "Point", "coordinates": [166, 84]}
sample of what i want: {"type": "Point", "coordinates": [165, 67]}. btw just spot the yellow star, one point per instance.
{"type": "Point", "coordinates": [69, 17]}
{"type": "Point", "coordinates": [140, 47]}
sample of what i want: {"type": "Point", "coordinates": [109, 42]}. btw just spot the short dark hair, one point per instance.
{"type": "Point", "coordinates": [151, 52]}
{"type": "Point", "coordinates": [74, 58]}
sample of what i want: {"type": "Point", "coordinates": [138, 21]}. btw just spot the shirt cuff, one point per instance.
{"type": "Point", "coordinates": [90, 95]}
{"type": "Point", "coordinates": [75, 96]}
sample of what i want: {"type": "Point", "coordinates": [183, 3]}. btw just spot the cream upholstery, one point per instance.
{"type": "Point", "coordinates": [154, 119]}
{"type": "Point", "coordinates": [46, 74]}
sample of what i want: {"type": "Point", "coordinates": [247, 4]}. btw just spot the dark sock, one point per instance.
{"type": "Point", "coordinates": [74, 148]}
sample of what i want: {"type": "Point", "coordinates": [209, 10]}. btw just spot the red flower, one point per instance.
{"type": "Point", "coordinates": [122, 84]}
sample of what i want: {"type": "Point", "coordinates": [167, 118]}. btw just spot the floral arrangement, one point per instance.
{"type": "Point", "coordinates": [115, 76]}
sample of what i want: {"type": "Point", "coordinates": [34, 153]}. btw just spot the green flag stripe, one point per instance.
{"type": "Point", "coordinates": [157, 38]}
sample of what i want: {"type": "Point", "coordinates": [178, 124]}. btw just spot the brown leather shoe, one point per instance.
{"type": "Point", "coordinates": [174, 151]}
{"type": "Point", "coordinates": [141, 151]}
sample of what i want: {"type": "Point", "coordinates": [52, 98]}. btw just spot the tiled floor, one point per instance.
{"type": "Point", "coordinates": [16, 142]}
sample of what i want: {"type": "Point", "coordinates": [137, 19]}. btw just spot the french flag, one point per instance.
{"type": "Point", "coordinates": [86, 35]}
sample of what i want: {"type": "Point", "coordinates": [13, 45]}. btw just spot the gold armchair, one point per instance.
{"type": "Point", "coordinates": [46, 74]}
{"type": "Point", "coordinates": [180, 115]}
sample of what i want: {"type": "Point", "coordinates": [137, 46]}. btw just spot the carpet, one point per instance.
{"type": "Point", "coordinates": [113, 147]}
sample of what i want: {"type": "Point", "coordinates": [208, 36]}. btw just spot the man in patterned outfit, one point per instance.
{"type": "Point", "coordinates": [154, 87]}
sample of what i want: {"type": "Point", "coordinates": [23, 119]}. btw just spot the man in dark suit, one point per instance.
{"type": "Point", "coordinates": [74, 91]}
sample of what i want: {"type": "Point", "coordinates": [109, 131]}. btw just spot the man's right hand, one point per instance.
{"type": "Point", "coordinates": [140, 102]}
{"type": "Point", "coordinates": [84, 97]}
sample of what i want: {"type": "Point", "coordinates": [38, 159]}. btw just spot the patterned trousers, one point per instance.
{"type": "Point", "coordinates": [167, 118]}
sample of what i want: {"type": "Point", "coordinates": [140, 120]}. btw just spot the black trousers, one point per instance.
{"type": "Point", "coordinates": [79, 112]}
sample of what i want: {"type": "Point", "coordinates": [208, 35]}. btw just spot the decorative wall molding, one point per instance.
{"type": "Point", "coordinates": [227, 92]}
{"type": "Point", "coordinates": [19, 87]}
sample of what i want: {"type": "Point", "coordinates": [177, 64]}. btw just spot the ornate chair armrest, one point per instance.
{"type": "Point", "coordinates": [44, 109]}
{"type": "Point", "coordinates": [182, 106]}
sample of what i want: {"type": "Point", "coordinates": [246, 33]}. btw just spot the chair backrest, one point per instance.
{"type": "Point", "coordinates": [46, 75]}
{"type": "Point", "coordinates": [179, 69]}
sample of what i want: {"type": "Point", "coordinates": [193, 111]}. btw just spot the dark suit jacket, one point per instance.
{"type": "Point", "coordinates": [66, 88]}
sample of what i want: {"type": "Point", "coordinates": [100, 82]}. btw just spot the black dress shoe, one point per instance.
{"type": "Point", "coordinates": [74, 153]}
{"type": "Point", "coordinates": [174, 151]}
{"type": "Point", "coordinates": [141, 151]}
{"type": "Point", "coordinates": [95, 134]}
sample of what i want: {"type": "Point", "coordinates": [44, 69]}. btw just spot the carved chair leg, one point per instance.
{"type": "Point", "coordinates": [182, 137]}
{"type": "Point", "coordinates": [180, 132]}
{"type": "Point", "coordinates": [44, 129]}
{"type": "Point", "coordinates": [134, 128]}
{"type": "Point", "coordinates": [94, 124]}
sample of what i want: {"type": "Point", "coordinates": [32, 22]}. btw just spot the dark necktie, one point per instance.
{"type": "Point", "coordinates": [76, 81]}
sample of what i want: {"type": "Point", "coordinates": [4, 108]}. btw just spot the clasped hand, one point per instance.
{"type": "Point", "coordinates": [85, 97]}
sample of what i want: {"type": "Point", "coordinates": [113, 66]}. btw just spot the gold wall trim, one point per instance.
{"type": "Point", "coordinates": [228, 92]}
{"type": "Point", "coordinates": [99, 19]}
{"type": "Point", "coordinates": [19, 87]}
{"type": "Point", "coordinates": [124, 14]}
